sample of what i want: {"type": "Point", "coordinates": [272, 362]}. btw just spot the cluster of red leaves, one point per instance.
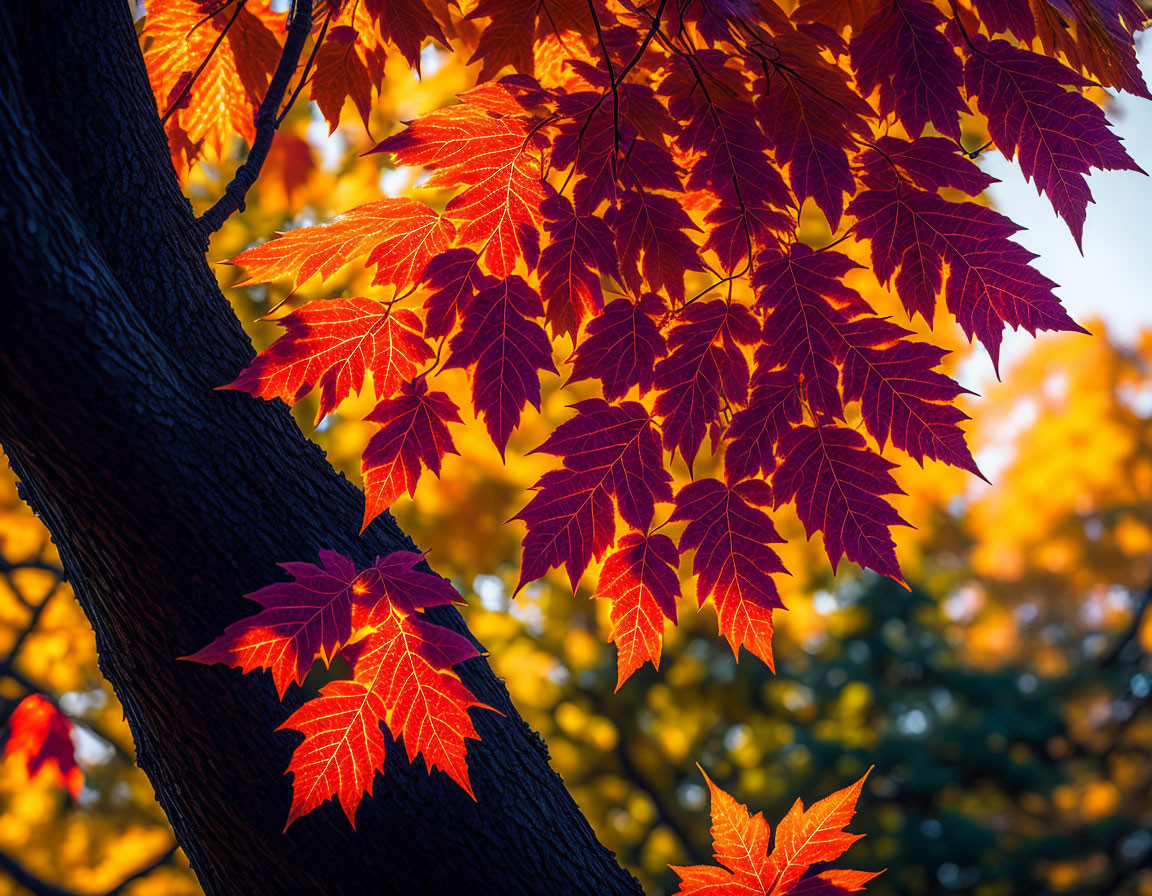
{"type": "Point", "coordinates": [639, 148]}
{"type": "Point", "coordinates": [40, 737]}
{"type": "Point", "coordinates": [753, 865]}
{"type": "Point", "coordinates": [401, 671]}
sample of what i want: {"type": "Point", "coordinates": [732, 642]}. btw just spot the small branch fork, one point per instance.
{"type": "Point", "coordinates": [267, 118]}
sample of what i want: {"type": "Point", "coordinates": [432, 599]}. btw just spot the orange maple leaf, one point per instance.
{"type": "Point", "coordinates": [642, 582]}
{"type": "Point", "coordinates": [803, 839]}
{"type": "Point", "coordinates": [483, 145]}
{"type": "Point", "coordinates": [400, 236]}
{"type": "Point", "coordinates": [238, 48]}
{"type": "Point", "coordinates": [349, 65]}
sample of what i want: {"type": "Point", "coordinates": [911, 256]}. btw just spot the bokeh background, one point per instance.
{"type": "Point", "coordinates": [1004, 701]}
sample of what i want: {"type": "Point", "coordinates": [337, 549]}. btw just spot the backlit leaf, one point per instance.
{"type": "Point", "coordinates": [751, 866]}
{"type": "Point", "coordinates": [612, 462]}
{"type": "Point", "coordinates": [733, 562]}
{"type": "Point", "coordinates": [306, 618]}
{"type": "Point", "coordinates": [332, 344]}
{"type": "Point", "coordinates": [413, 436]}
{"type": "Point", "coordinates": [220, 102]}
{"type": "Point", "coordinates": [500, 336]}
{"type": "Point", "coordinates": [641, 581]}
{"type": "Point", "coordinates": [400, 236]}
{"type": "Point", "coordinates": [40, 737]}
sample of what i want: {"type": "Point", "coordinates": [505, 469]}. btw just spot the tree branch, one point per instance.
{"type": "Point", "coordinates": [40, 887]}
{"type": "Point", "coordinates": [114, 335]}
{"type": "Point", "coordinates": [164, 858]}
{"type": "Point", "coordinates": [30, 881]}
{"type": "Point", "coordinates": [267, 119]}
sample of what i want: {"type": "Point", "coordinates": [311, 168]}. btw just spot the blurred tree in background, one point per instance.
{"type": "Point", "coordinates": [1004, 701]}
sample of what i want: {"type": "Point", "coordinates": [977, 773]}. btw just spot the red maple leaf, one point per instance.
{"type": "Point", "coordinates": [1057, 135]}
{"type": "Point", "coordinates": [401, 236]}
{"type": "Point", "coordinates": [333, 343]}
{"type": "Point", "coordinates": [401, 672]}
{"type": "Point", "coordinates": [927, 162]}
{"type": "Point", "coordinates": [1100, 41]}
{"type": "Point", "coordinates": [490, 154]}
{"type": "Point", "coordinates": [500, 336]}
{"type": "Point", "coordinates": [902, 52]}
{"type": "Point", "coordinates": [343, 747]}
{"type": "Point", "coordinates": [611, 454]}
{"type": "Point", "coordinates": [400, 675]}
{"type": "Point", "coordinates": [903, 398]}
{"type": "Point", "coordinates": [509, 37]}
{"type": "Point", "coordinates": [408, 24]}
{"type": "Point", "coordinates": [810, 115]}
{"type": "Point", "coordinates": [238, 49]}
{"type": "Point", "coordinates": [807, 301]}
{"type": "Point", "coordinates": [652, 228]}
{"type": "Point", "coordinates": [306, 618]}
{"type": "Point", "coordinates": [773, 409]}
{"type": "Point", "coordinates": [614, 142]}
{"type": "Point", "coordinates": [349, 64]}
{"type": "Point", "coordinates": [622, 345]}
{"type": "Point", "coordinates": [991, 283]}
{"type": "Point", "coordinates": [452, 279]}
{"type": "Point", "coordinates": [640, 579]}
{"type": "Point", "coordinates": [578, 252]}
{"type": "Point", "coordinates": [837, 484]}
{"type": "Point", "coordinates": [753, 200]}
{"type": "Point", "coordinates": [807, 837]}
{"type": "Point", "coordinates": [829, 340]}
{"type": "Point", "coordinates": [733, 562]}
{"type": "Point", "coordinates": [413, 436]}
{"type": "Point", "coordinates": [705, 363]}
{"type": "Point", "coordinates": [40, 737]}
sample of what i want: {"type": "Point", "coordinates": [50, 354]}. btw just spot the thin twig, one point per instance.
{"type": "Point", "coordinates": [308, 67]}
{"type": "Point", "coordinates": [164, 858]}
{"type": "Point", "coordinates": [299, 26]}
{"type": "Point", "coordinates": [40, 887]}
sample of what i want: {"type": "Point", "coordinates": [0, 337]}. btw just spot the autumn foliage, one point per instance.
{"type": "Point", "coordinates": [749, 867]}
{"type": "Point", "coordinates": [624, 190]}
{"type": "Point", "coordinates": [401, 661]}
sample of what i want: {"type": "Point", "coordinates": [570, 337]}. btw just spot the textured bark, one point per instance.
{"type": "Point", "coordinates": [169, 500]}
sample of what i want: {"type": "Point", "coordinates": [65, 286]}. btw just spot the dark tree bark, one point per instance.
{"type": "Point", "coordinates": [169, 500]}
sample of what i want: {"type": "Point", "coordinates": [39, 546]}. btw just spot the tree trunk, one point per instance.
{"type": "Point", "coordinates": [169, 500]}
